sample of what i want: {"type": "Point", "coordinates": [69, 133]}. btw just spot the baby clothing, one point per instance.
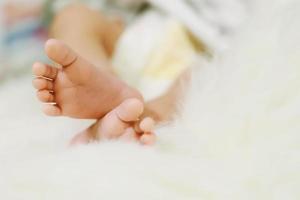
{"type": "Point", "coordinates": [153, 52]}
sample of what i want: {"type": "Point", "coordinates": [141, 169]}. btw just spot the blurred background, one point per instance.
{"type": "Point", "coordinates": [22, 33]}
{"type": "Point", "coordinates": [23, 24]}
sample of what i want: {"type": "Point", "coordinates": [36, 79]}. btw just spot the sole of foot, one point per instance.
{"type": "Point", "coordinates": [77, 88]}
{"type": "Point", "coordinates": [121, 123]}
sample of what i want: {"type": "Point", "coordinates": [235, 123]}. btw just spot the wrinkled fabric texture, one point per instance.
{"type": "Point", "coordinates": [22, 36]}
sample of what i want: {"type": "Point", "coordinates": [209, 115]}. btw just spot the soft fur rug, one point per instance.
{"type": "Point", "coordinates": [237, 137]}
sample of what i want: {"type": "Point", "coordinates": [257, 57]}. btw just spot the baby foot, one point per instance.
{"type": "Point", "coordinates": [120, 124]}
{"type": "Point", "coordinates": [78, 89]}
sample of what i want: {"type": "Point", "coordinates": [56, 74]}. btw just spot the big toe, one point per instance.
{"type": "Point", "coordinates": [59, 52]}
{"type": "Point", "coordinates": [130, 110]}
{"type": "Point", "coordinates": [114, 124]}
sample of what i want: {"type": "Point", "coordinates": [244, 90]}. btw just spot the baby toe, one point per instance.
{"type": "Point", "coordinates": [42, 84]}
{"type": "Point", "coordinates": [45, 96]}
{"type": "Point", "coordinates": [148, 139]}
{"type": "Point", "coordinates": [130, 110]}
{"type": "Point", "coordinates": [147, 124]}
{"type": "Point", "coordinates": [52, 110]}
{"type": "Point", "coordinates": [60, 53]}
{"type": "Point", "coordinates": [40, 69]}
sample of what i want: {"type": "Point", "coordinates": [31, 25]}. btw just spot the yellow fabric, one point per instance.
{"type": "Point", "coordinates": [173, 55]}
{"type": "Point", "coordinates": [153, 52]}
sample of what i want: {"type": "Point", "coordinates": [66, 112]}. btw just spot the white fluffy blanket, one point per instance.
{"type": "Point", "coordinates": [237, 137]}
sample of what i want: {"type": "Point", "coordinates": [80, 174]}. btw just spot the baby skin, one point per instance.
{"type": "Point", "coordinates": [121, 124]}
{"type": "Point", "coordinates": [78, 89]}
